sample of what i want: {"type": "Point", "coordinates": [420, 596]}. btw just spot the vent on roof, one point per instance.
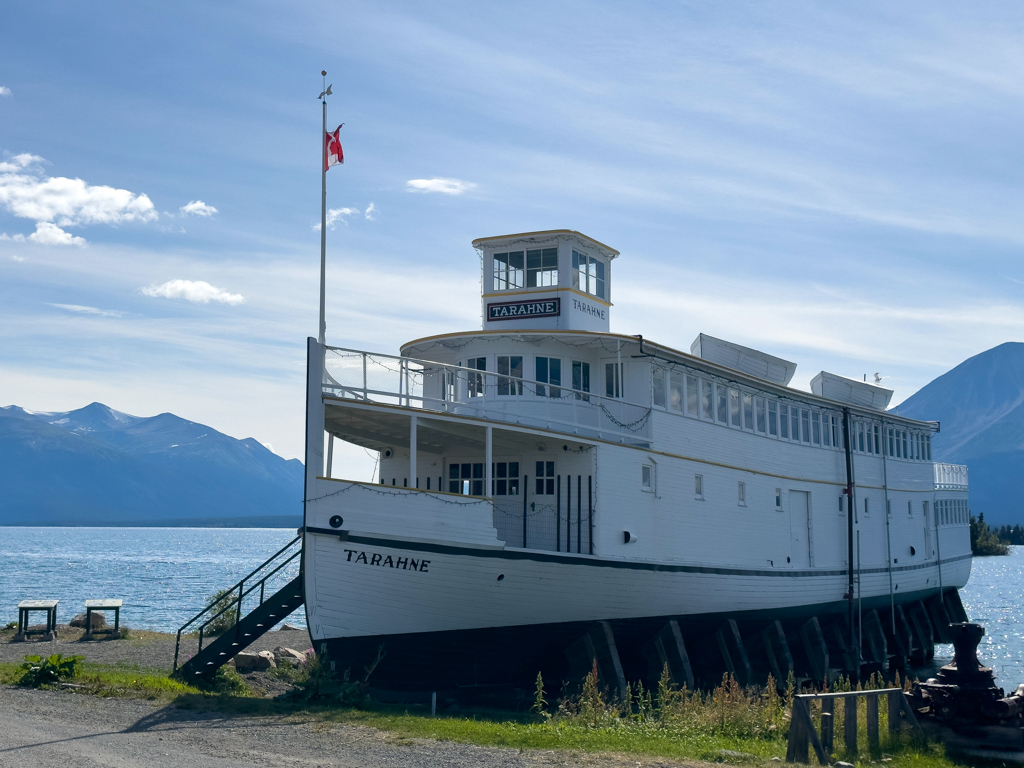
{"type": "Point", "coordinates": [744, 359]}
{"type": "Point", "coordinates": [851, 391]}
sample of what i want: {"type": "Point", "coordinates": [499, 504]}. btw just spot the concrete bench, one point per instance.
{"type": "Point", "coordinates": [101, 606]}
{"type": "Point", "coordinates": [25, 607]}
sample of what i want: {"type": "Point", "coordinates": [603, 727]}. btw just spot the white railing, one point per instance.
{"type": "Point", "coordinates": [406, 381]}
{"type": "Point", "coordinates": [950, 477]}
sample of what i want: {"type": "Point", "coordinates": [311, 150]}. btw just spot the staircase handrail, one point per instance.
{"type": "Point", "coordinates": [237, 599]}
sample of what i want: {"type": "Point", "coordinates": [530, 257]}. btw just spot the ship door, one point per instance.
{"type": "Point", "coordinates": [800, 529]}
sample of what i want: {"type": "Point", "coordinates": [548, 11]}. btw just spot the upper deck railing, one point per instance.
{"type": "Point", "coordinates": [441, 388]}
{"type": "Point", "coordinates": [950, 477]}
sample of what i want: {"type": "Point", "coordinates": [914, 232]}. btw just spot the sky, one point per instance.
{"type": "Point", "coordinates": [836, 184]}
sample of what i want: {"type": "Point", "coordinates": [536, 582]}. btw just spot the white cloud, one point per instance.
{"type": "Point", "coordinates": [5, 91]}
{"type": "Point", "coordinates": [371, 212]}
{"type": "Point", "coordinates": [57, 201]}
{"type": "Point", "coordinates": [334, 214]}
{"type": "Point", "coordinates": [89, 310]}
{"type": "Point", "coordinates": [198, 291]}
{"type": "Point", "coordinates": [16, 257]}
{"type": "Point", "coordinates": [444, 186]}
{"type": "Point", "coordinates": [50, 234]}
{"type": "Point", "coordinates": [198, 208]}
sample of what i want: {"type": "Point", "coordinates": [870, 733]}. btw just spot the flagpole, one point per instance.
{"type": "Point", "coordinates": [323, 218]}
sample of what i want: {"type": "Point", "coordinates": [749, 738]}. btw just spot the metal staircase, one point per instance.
{"type": "Point", "coordinates": [248, 628]}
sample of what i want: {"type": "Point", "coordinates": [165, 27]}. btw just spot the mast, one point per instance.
{"type": "Point", "coordinates": [323, 217]}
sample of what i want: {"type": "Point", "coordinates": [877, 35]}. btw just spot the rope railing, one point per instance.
{"type": "Point", "coordinates": [409, 382]}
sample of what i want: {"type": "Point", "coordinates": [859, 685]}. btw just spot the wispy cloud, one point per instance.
{"type": "Point", "coordinates": [338, 214]}
{"type": "Point", "coordinates": [4, 90]}
{"type": "Point", "coordinates": [16, 257]}
{"type": "Point", "coordinates": [55, 202]}
{"type": "Point", "coordinates": [444, 186]}
{"type": "Point", "coordinates": [197, 208]}
{"type": "Point", "coordinates": [89, 310]}
{"type": "Point", "coordinates": [371, 212]}
{"type": "Point", "coordinates": [198, 291]}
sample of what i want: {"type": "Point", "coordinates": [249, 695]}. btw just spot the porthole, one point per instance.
{"type": "Point", "coordinates": [501, 577]}
{"type": "Point", "coordinates": [336, 521]}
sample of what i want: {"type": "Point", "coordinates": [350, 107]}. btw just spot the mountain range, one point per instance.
{"type": "Point", "coordinates": [98, 466]}
{"type": "Point", "coordinates": [980, 408]}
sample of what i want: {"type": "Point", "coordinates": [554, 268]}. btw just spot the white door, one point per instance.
{"type": "Point", "coordinates": [800, 529]}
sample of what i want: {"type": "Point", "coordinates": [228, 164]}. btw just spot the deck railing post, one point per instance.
{"type": "Point", "coordinates": [850, 723]}
{"type": "Point", "coordinates": [828, 709]}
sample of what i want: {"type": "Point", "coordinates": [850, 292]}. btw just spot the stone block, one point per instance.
{"type": "Point", "coordinates": [290, 655]}
{"type": "Point", "coordinates": [251, 662]}
{"type": "Point", "coordinates": [99, 621]}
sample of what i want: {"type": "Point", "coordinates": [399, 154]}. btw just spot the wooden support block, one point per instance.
{"type": "Point", "coordinates": [828, 717]}
{"type": "Point", "coordinates": [815, 648]}
{"type": "Point", "coordinates": [671, 650]}
{"type": "Point", "coordinates": [875, 645]}
{"type": "Point", "coordinates": [777, 650]}
{"type": "Point", "coordinates": [924, 640]}
{"type": "Point", "coordinates": [850, 723]}
{"type": "Point", "coordinates": [939, 618]}
{"type": "Point", "coordinates": [872, 702]}
{"type": "Point", "coordinates": [734, 654]}
{"type": "Point", "coordinates": [597, 645]}
{"type": "Point", "coordinates": [955, 607]}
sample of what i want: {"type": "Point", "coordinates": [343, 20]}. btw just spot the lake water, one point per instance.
{"type": "Point", "coordinates": [165, 575]}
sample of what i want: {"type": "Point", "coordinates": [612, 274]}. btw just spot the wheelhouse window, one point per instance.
{"type": "Point", "coordinates": [647, 477]}
{"type": "Point", "coordinates": [707, 398]}
{"type": "Point", "coordinates": [723, 405]}
{"type": "Point", "coordinates": [748, 411]}
{"type": "Point", "coordinates": [588, 274]}
{"type": "Point", "coordinates": [734, 407]}
{"type": "Point", "coordinates": [510, 375]}
{"type": "Point", "coordinates": [784, 420]}
{"type": "Point", "coordinates": [760, 415]}
{"type": "Point", "coordinates": [659, 387]}
{"type": "Point", "coordinates": [794, 422]}
{"type": "Point", "coordinates": [773, 416]}
{"type": "Point", "coordinates": [475, 381]}
{"type": "Point", "coordinates": [545, 479]}
{"type": "Point", "coordinates": [508, 270]}
{"type": "Point", "coordinates": [692, 395]}
{"type": "Point", "coordinates": [541, 267]}
{"type": "Point", "coordinates": [581, 379]}
{"type": "Point", "coordinates": [549, 371]}
{"type": "Point", "coordinates": [816, 427]}
{"type": "Point", "coordinates": [505, 478]}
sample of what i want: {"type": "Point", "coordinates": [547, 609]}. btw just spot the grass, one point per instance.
{"type": "Point", "coordinates": [666, 723]}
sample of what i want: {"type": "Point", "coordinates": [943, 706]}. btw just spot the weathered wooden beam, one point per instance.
{"type": "Point", "coordinates": [671, 650]}
{"type": "Point", "coordinates": [734, 654]}
{"type": "Point", "coordinates": [773, 637]}
{"type": "Point", "coordinates": [815, 648]}
{"type": "Point", "coordinates": [876, 646]}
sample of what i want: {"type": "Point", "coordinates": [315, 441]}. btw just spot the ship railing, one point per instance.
{"type": "Point", "coordinates": [950, 477]}
{"type": "Point", "coordinates": [442, 388]}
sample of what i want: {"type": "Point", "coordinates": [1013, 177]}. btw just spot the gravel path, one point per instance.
{"type": "Point", "coordinates": [56, 729]}
{"type": "Point", "coordinates": [148, 649]}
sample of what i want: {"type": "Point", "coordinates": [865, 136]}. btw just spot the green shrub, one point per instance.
{"type": "Point", "coordinates": [220, 600]}
{"type": "Point", "coordinates": [38, 671]}
{"type": "Point", "coordinates": [316, 682]}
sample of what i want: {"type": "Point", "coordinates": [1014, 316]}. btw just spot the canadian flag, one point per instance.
{"type": "Point", "coordinates": [333, 154]}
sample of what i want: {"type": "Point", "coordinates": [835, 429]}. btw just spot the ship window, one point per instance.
{"type": "Point", "coordinates": [816, 428]}
{"type": "Point", "coordinates": [467, 479]}
{"type": "Point", "coordinates": [707, 399]}
{"type": "Point", "coordinates": [541, 267]}
{"type": "Point", "coordinates": [545, 480]}
{"type": "Point", "coordinates": [928, 447]}
{"type": "Point", "coordinates": [741, 494]}
{"type": "Point", "coordinates": [878, 438]}
{"type": "Point", "coordinates": [784, 420]}
{"type": "Point", "coordinates": [866, 509]}
{"type": "Point", "coordinates": [659, 387]}
{"type": "Point", "coordinates": [549, 371]}
{"type": "Point", "coordinates": [734, 407]}
{"type": "Point", "coordinates": [675, 391]}
{"type": "Point", "coordinates": [748, 411]}
{"type": "Point", "coordinates": [581, 379]}
{"type": "Point", "coordinates": [772, 418]}
{"type": "Point", "coordinates": [824, 429]}
{"type": "Point", "coordinates": [698, 487]}
{"type": "Point", "coordinates": [890, 442]}
{"type": "Point", "coordinates": [723, 405]}
{"type": "Point", "coordinates": [867, 428]}
{"type": "Point", "coordinates": [588, 274]}
{"type": "Point", "coordinates": [475, 381]}
{"type": "Point", "coordinates": [794, 422]}
{"type": "Point", "coordinates": [860, 437]}
{"type": "Point", "coordinates": [910, 508]}
{"type": "Point", "coordinates": [508, 270]}
{"type": "Point", "coordinates": [905, 456]}
{"type": "Point", "coordinates": [613, 379]}
{"type": "Point", "coordinates": [840, 505]}
{"type": "Point", "coordinates": [835, 431]}
{"type": "Point", "coordinates": [505, 478]}
{"type": "Point", "coordinates": [760, 415]}
{"type": "Point", "coordinates": [448, 386]}
{"type": "Point", "coordinates": [510, 375]}
{"type": "Point", "coordinates": [647, 477]}
{"type": "Point", "coordinates": [692, 395]}
{"type": "Point", "coordinates": [778, 498]}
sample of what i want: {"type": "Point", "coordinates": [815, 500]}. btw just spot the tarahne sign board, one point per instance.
{"type": "Point", "coordinates": [512, 310]}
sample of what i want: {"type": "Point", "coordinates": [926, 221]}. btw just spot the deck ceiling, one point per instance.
{"type": "Point", "coordinates": [385, 428]}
